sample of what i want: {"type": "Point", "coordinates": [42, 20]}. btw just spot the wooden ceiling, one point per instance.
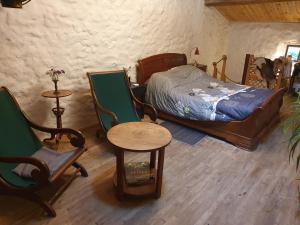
{"type": "Point", "coordinates": [258, 10]}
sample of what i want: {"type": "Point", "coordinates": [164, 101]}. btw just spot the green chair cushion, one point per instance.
{"type": "Point", "coordinates": [112, 92]}
{"type": "Point", "coordinates": [16, 138]}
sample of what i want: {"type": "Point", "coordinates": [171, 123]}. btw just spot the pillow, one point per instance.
{"type": "Point", "coordinates": [53, 159]}
{"type": "Point", "coordinates": [183, 68]}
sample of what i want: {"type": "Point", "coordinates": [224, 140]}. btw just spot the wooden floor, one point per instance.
{"type": "Point", "coordinates": [211, 183]}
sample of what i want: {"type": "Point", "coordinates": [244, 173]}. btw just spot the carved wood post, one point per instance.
{"type": "Point", "coordinates": [223, 76]}
{"type": "Point", "coordinates": [246, 69]}
{"type": "Point", "coordinates": [279, 80]}
{"type": "Point", "coordinates": [215, 73]}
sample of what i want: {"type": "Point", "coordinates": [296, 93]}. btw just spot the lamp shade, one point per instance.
{"type": "Point", "coordinates": [11, 3]}
{"type": "Point", "coordinates": [14, 3]}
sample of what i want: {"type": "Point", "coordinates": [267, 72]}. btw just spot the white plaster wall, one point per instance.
{"type": "Point", "coordinates": [81, 36]}
{"type": "Point", "coordinates": [261, 39]}
{"type": "Point", "coordinates": [211, 35]}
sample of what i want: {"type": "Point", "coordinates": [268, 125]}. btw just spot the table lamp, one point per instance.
{"type": "Point", "coordinates": [14, 3]}
{"type": "Point", "coordinates": [195, 51]}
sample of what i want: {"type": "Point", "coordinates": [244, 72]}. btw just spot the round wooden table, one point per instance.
{"type": "Point", "coordinates": [139, 137]}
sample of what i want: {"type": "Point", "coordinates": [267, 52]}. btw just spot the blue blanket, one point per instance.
{"type": "Point", "coordinates": [190, 93]}
{"type": "Point", "coordinates": [242, 104]}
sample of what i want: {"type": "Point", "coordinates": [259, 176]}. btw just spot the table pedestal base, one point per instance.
{"type": "Point", "coordinates": [152, 189]}
{"type": "Point", "coordinates": [145, 190]}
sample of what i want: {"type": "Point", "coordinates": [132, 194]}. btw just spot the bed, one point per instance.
{"type": "Point", "coordinates": [245, 134]}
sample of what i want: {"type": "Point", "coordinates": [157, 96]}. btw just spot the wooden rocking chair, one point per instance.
{"type": "Point", "coordinates": [114, 101]}
{"type": "Point", "coordinates": [18, 143]}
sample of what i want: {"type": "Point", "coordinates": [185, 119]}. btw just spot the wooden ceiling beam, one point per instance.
{"type": "Point", "coordinates": [240, 2]}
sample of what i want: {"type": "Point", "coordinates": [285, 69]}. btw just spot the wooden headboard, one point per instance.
{"type": "Point", "coordinates": [158, 63]}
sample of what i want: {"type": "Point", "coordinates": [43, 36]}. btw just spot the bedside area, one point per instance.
{"type": "Point", "coordinates": [200, 66]}
{"type": "Point", "coordinates": [139, 91]}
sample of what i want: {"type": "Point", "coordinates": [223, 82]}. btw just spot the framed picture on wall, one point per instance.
{"type": "Point", "coordinates": [294, 51]}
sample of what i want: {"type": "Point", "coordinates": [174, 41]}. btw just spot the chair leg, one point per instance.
{"type": "Point", "coordinates": [30, 196]}
{"type": "Point", "coordinates": [98, 133]}
{"type": "Point", "coordinates": [45, 205]}
{"type": "Point", "coordinates": [83, 171]}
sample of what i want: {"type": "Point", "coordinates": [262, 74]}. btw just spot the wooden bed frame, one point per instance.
{"type": "Point", "coordinates": [245, 134]}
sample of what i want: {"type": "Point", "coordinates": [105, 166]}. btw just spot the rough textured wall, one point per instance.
{"type": "Point", "coordinates": [81, 36]}
{"type": "Point", "coordinates": [261, 39]}
{"type": "Point", "coordinates": [211, 36]}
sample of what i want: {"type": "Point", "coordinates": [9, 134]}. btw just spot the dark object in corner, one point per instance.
{"type": "Point", "coordinates": [296, 73]}
{"type": "Point", "coordinates": [140, 92]}
{"type": "Point", "coordinates": [14, 3]}
{"type": "Point", "coordinates": [267, 69]}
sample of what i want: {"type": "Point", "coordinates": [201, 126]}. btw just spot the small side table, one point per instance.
{"type": "Point", "coordinates": [139, 137]}
{"type": "Point", "coordinates": [58, 111]}
{"type": "Point", "coordinates": [202, 67]}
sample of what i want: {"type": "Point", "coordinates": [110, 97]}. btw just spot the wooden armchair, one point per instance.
{"type": "Point", "coordinates": [114, 101]}
{"type": "Point", "coordinates": [18, 143]}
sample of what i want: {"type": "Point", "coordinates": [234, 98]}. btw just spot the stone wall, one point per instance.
{"type": "Point", "coordinates": [261, 39]}
{"type": "Point", "coordinates": [81, 36]}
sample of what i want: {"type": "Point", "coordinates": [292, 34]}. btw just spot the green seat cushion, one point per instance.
{"type": "Point", "coordinates": [112, 92]}
{"type": "Point", "coordinates": [16, 139]}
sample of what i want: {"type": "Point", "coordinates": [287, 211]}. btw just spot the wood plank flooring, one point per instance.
{"type": "Point", "coordinates": [211, 183]}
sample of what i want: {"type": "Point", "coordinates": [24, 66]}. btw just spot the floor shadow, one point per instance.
{"type": "Point", "coordinates": [104, 190]}
{"type": "Point", "coordinates": [18, 209]}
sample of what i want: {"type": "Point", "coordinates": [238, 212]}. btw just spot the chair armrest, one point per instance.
{"type": "Point", "coordinates": [150, 110]}
{"type": "Point", "coordinates": [41, 175]}
{"type": "Point", "coordinates": [77, 141]}
{"type": "Point", "coordinates": [114, 117]}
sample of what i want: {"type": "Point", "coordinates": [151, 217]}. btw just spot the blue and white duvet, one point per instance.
{"type": "Point", "coordinates": [190, 93]}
